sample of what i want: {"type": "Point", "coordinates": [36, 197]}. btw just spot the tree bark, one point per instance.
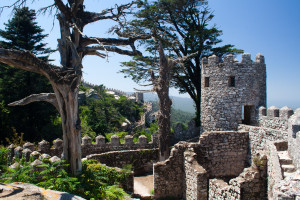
{"type": "Point", "coordinates": [164, 102]}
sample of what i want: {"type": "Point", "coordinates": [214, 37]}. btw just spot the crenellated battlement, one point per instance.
{"type": "Point", "coordinates": [275, 118]}
{"type": "Point", "coordinates": [214, 60]}
{"type": "Point", "coordinates": [87, 146]}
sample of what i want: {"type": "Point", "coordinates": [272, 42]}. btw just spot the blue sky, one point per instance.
{"type": "Point", "coordinates": [257, 26]}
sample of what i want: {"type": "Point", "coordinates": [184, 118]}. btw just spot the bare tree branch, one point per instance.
{"type": "Point", "coordinates": [64, 9]}
{"type": "Point", "coordinates": [107, 41]}
{"type": "Point", "coordinates": [90, 17]}
{"type": "Point", "coordinates": [86, 50]}
{"type": "Point", "coordinates": [29, 62]}
{"type": "Point", "coordinates": [47, 97]}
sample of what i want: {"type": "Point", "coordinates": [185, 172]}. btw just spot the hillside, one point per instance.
{"type": "Point", "coordinates": [179, 103]}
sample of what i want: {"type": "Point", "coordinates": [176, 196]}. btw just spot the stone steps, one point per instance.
{"type": "Point", "coordinates": [286, 163]}
{"type": "Point", "coordinates": [288, 168]}
{"type": "Point", "coordinates": [284, 158]}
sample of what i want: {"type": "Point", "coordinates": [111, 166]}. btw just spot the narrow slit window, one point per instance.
{"type": "Point", "coordinates": [206, 81]}
{"type": "Point", "coordinates": [231, 81]}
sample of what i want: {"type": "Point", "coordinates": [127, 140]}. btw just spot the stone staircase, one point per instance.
{"type": "Point", "coordinates": [286, 164]}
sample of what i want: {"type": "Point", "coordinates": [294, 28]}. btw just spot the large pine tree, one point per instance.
{"type": "Point", "coordinates": [36, 120]}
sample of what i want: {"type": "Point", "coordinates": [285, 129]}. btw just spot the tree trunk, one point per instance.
{"type": "Point", "coordinates": [67, 98]}
{"type": "Point", "coordinates": [164, 102]}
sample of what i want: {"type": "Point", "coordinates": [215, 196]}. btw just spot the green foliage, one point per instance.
{"type": "Point", "coordinates": [3, 158]}
{"type": "Point", "coordinates": [95, 182]}
{"type": "Point", "coordinates": [183, 27]}
{"type": "Point", "coordinates": [36, 119]}
{"type": "Point", "coordinates": [16, 139]}
{"type": "Point", "coordinates": [106, 114]}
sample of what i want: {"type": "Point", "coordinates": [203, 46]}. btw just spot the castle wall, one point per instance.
{"type": "Point", "coordinates": [248, 185]}
{"type": "Point", "coordinates": [275, 118]}
{"type": "Point", "coordinates": [169, 177]}
{"type": "Point", "coordinates": [88, 148]}
{"type": "Point", "coordinates": [218, 154]}
{"type": "Point", "coordinates": [141, 160]}
{"type": "Point", "coordinates": [273, 126]}
{"type": "Point", "coordinates": [294, 138]}
{"type": "Point", "coordinates": [227, 87]}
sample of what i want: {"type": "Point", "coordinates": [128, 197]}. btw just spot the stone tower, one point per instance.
{"type": "Point", "coordinates": [232, 92]}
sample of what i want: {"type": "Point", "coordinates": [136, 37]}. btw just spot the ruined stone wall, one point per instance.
{"type": "Point", "coordinates": [274, 169]}
{"type": "Point", "coordinates": [222, 153]}
{"type": "Point", "coordinates": [294, 138]}
{"type": "Point", "coordinates": [248, 185]}
{"type": "Point", "coordinates": [141, 160]}
{"type": "Point", "coordinates": [227, 87]}
{"type": "Point", "coordinates": [195, 178]}
{"type": "Point", "coordinates": [217, 154]}
{"type": "Point", "coordinates": [169, 175]}
{"type": "Point", "coordinates": [259, 136]}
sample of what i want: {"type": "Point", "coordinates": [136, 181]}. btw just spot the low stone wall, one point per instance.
{"type": "Point", "coordinates": [219, 189]}
{"type": "Point", "coordinates": [274, 117]}
{"type": "Point", "coordinates": [185, 174]}
{"type": "Point", "coordinates": [141, 160]}
{"type": "Point", "coordinates": [169, 175]}
{"type": "Point", "coordinates": [274, 169]}
{"type": "Point", "coordinates": [259, 136]}
{"type": "Point", "coordinates": [195, 177]}
{"type": "Point", "coordinates": [250, 184]}
{"type": "Point", "coordinates": [87, 148]}
{"type": "Point", "coordinates": [222, 153]}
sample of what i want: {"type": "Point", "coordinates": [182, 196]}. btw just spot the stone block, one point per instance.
{"type": "Point", "coordinates": [262, 111]}
{"type": "Point", "coordinates": [86, 140]}
{"type": "Point", "coordinates": [58, 143]}
{"type": "Point", "coordinates": [273, 111]}
{"type": "Point", "coordinates": [246, 58]}
{"type": "Point", "coordinates": [44, 146]}
{"type": "Point", "coordinates": [100, 140]}
{"type": "Point", "coordinates": [213, 60]}
{"type": "Point", "coordinates": [285, 112]}
{"type": "Point", "coordinates": [142, 140]}
{"type": "Point", "coordinates": [260, 58]}
{"type": "Point", "coordinates": [128, 140]}
{"type": "Point", "coordinates": [28, 145]}
{"type": "Point", "coordinates": [115, 140]}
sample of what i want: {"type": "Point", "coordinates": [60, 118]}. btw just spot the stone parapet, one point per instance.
{"type": "Point", "coordinates": [87, 146]}
{"type": "Point", "coordinates": [141, 160]}
{"type": "Point", "coordinates": [275, 118]}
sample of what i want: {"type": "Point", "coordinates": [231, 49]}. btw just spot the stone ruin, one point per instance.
{"type": "Point", "coordinates": [245, 150]}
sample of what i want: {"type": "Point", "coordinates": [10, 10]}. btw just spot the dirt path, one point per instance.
{"type": "Point", "coordinates": [143, 185]}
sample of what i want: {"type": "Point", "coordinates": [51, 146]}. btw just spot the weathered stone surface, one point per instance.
{"type": "Point", "coordinates": [227, 87]}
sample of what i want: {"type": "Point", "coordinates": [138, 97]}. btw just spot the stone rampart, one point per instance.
{"type": "Point", "coordinates": [141, 160]}
{"type": "Point", "coordinates": [275, 118]}
{"type": "Point", "coordinates": [87, 147]}
{"type": "Point", "coordinates": [248, 185]}
{"type": "Point", "coordinates": [259, 136]}
{"type": "Point", "coordinates": [218, 154]}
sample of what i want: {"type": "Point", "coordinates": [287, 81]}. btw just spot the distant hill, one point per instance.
{"type": "Point", "coordinates": [179, 103]}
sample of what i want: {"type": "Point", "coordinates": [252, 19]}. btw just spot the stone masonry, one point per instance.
{"type": "Point", "coordinates": [229, 88]}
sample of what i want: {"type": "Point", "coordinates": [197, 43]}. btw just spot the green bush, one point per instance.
{"type": "Point", "coordinates": [95, 182]}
